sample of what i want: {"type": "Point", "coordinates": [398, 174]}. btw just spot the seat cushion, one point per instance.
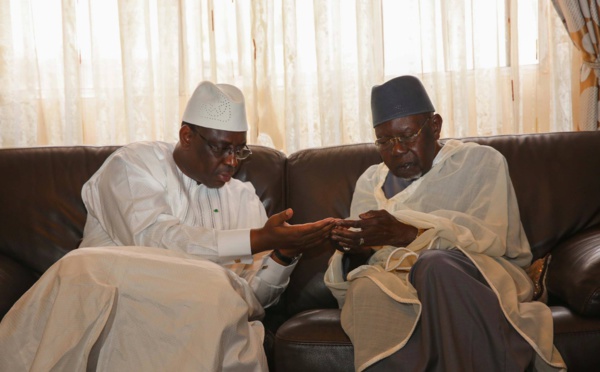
{"type": "Point", "coordinates": [574, 272]}
{"type": "Point", "coordinates": [313, 341]}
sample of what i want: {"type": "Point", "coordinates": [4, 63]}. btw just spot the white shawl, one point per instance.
{"type": "Point", "coordinates": [467, 202]}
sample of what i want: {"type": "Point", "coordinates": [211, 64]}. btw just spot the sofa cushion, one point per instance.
{"type": "Point", "coordinates": [42, 214]}
{"type": "Point", "coordinates": [265, 168]}
{"type": "Point", "coordinates": [15, 280]}
{"type": "Point", "coordinates": [574, 272]}
{"type": "Point", "coordinates": [555, 177]}
{"type": "Point", "coordinates": [313, 341]}
{"type": "Point", "coordinates": [576, 338]}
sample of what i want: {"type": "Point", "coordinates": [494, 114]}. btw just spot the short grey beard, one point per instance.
{"type": "Point", "coordinates": [414, 178]}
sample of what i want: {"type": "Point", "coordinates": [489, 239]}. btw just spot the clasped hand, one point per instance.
{"type": "Point", "coordinates": [372, 229]}
{"type": "Point", "coordinates": [290, 240]}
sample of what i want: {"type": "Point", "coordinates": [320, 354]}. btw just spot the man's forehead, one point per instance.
{"type": "Point", "coordinates": [403, 124]}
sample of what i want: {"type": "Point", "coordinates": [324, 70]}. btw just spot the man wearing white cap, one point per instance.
{"type": "Point", "coordinates": [184, 262]}
{"type": "Point", "coordinates": [429, 267]}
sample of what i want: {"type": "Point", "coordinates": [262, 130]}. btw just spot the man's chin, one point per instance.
{"type": "Point", "coordinates": [408, 176]}
{"type": "Point", "coordinates": [213, 184]}
{"type": "Point", "coordinates": [216, 184]}
{"type": "Point", "coordinates": [218, 181]}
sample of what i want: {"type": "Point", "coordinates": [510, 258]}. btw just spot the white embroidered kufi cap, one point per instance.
{"type": "Point", "coordinates": [217, 106]}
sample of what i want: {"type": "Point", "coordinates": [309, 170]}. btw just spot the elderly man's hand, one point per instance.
{"type": "Point", "coordinates": [374, 228]}
{"type": "Point", "coordinates": [290, 240]}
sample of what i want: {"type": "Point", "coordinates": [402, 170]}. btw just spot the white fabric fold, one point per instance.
{"type": "Point", "coordinates": [139, 197]}
{"type": "Point", "coordinates": [134, 309]}
{"type": "Point", "coordinates": [466, 202]}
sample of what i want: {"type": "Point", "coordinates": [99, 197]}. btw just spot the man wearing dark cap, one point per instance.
{"type": "Point", "coordinates": [180, 260]}
{"type": "Point", "coordinates": [429, 270]}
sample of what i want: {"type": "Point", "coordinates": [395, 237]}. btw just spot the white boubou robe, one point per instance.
{"type": "Point", "coordinates": [139, 197]}
{"type": "Point", "coordinates": [466, 202]}
{"type": "Point", "coordinates": [167, 281]}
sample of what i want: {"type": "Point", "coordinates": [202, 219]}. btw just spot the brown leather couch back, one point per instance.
{"type": "Point", "coordinates": [556, 177]}
{"type": "Point", "coordinates": [41, 211]}
{"type": "Point", "coordinates": [320, 184]}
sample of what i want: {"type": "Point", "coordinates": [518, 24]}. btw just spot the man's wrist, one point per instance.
{"type": "Point", "coordinates": [282, 259]}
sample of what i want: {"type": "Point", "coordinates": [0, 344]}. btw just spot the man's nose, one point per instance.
{"type": "Point", "coordinates": [231, 159]}
{"type": "Point", "coordinates": [399, 146]}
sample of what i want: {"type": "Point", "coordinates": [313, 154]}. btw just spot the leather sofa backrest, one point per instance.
{"type": "Point", "coordinates": [556, 177]}
{"type": "Point", "coordinates": [42, 214]}
{"type": "Point", "coordinates": [265, 169]}
{"type": "Point", "coordinates": [320, 183]}
{"type": "Point", "coordinates": [41, 211]}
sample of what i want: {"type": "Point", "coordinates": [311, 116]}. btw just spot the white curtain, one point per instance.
{"type": "Point", "coordinates": [111, 72]}
{"type": "Point", "coordinates": [582, 21]}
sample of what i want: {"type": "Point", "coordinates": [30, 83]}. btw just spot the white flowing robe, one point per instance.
{"type": "Point", "coordinates": [171, 285]}
{"type": "Point", "coordinates": [139, 197]}
{"type": "Point", "coordinates": [134, 309]}
{"type": "Point", "coordinates": [466, 202]}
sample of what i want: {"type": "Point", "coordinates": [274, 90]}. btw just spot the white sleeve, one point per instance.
{"type": "Point", "coordinates": [267, 278]}
{"type": "Point", "coordinates": [334, 278]}
{"type": "Point", "coordinates": [131, 204]}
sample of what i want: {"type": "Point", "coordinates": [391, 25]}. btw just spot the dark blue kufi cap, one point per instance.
{"type": "Point", "coordinates": [397, 98]}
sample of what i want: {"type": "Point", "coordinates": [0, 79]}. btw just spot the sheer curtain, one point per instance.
{"type": "Point", "coordinates": [582, 20]}
{"type": "Point", "coordinates": [112, 72]}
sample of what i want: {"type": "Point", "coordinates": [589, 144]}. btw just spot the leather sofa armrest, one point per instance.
{"type": "Point", "coordinates": [313, 341]}
{"type": "Point", "coordinates": [574, 272]}
{"type": "Point", "coordinates": [15, 280]}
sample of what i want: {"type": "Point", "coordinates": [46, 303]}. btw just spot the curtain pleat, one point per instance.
{"type": "Point", "coordinates": [583, 24]}
{"type": "Point", "coordinates": [113, 72]}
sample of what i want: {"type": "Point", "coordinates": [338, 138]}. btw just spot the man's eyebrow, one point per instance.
{"type": "Point", "coordinates": [403, 132]}
{"type": "Point", "coordinates": [227, 143]}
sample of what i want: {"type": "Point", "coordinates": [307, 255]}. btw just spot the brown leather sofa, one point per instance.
{"type": "Point", "coordinates": [556, 177]}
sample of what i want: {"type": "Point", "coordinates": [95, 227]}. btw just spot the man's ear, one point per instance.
{"type": "Point", "coordinates": [436, 126]}
{"type": "Point", "coordinates": [185, 136]}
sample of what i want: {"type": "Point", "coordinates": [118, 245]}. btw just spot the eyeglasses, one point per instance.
{"type": "Point", "coordinates": [220, 151]}
{"type": "Point", "coordinates": [387, 143]}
